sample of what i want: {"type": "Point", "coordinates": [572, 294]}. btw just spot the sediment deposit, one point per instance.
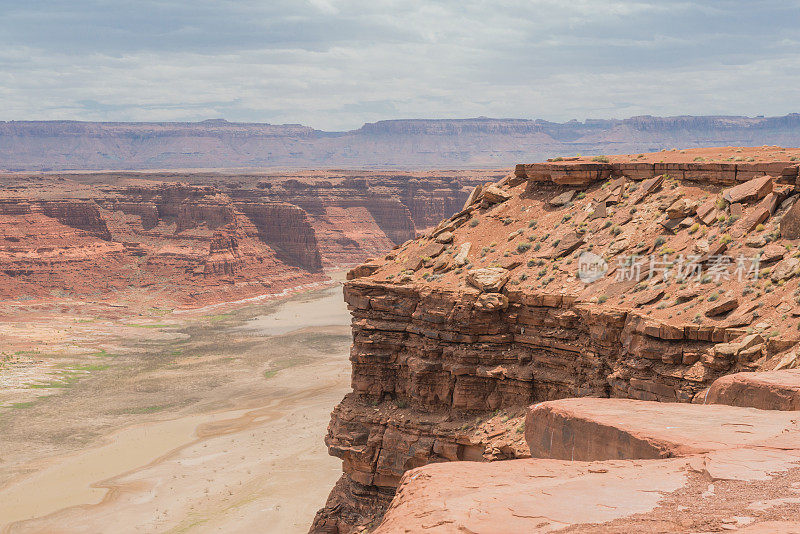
{"type": "Point", "coordinates": [643, 277]}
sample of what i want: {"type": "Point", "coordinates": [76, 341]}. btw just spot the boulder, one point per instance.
{"type": "Point", "coordinates": [770, 202]}
{"type": "Point", "coordinates": [751, 190]}
{"type": "Point", "coordinates": [723, 306]}
{"type": "Point", "coordinates": [567, 244]}
{"type": "Point", "coordinates": [685, 295]}
{"type": "Point", "coordinates": [647, 187]}
{"type": "Point", "coordinates": [495, 195]}
{"type": "Point", "coordinates": [441, 265]}
{"type": "Point", "coordinates": [362, 270]}
{"type": "Point", "coordinates": [474, 196]}
{"type": "Point", "coordinates": [749, 223]}
{"type": "Point", "coordinates": [790, 223]}
{"type": "Point", "coordinates": [423, 256]}
{"type": "Point", "coordinates": [600, 211]}
{"type": "Point", "coordinates": [510, 263]}
{"type": "Point", "coordinates": [707, 213]}
{"type": "Point", "coordinates": [681, 208]}
{"type": "Point", "coordinates": [445, 237]}
{"type": "Point", "coordinates": [489, 302]}
{"type": "Point", "coordinates": [785, 270]}
{"type": "Point", "coordinates": [648, 297]}
{"type": "Point", "coordinates": [755, 241]}
{"type": "Point", "coordinates": [461, 258]}
{"type": "Point", "coordinates": [767, 390]}
{"type": "Point", "coordinates": [772, 253]}
{"type": "Point", "coordinates": [562, 199]}
{"type": "Point", "coordinates": [489, 280]}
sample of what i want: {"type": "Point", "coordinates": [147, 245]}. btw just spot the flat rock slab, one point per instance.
{"type": "Point", "coordinates": [722, 307]}
{"type": "Point", "coordinates": [495, 195]}
{"type": "Point", "coordinates": [600, 429]}
{"type": "Point", "coordinates": [563, 198]}
{"type": "Point", "coordinates": [790, 223]}
{"type": "Point", "coordinates": [526, 495]}
{"type": "Point", "coordinates": [768, 390]}
{"type": "Point", "coordinates": [754, 189]}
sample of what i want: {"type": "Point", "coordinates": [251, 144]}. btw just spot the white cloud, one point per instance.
{"type": "Point", "coordinates": [336, 64]}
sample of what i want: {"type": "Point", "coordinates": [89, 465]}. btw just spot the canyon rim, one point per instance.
{"type": "Point", "coordinates": [380, 267]}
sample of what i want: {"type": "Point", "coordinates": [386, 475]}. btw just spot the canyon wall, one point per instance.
{"type": "Point", "coordinates": [448, 143]}
{"type": "Point", "coordinates": [458, 332]}
{"type": "Point", "coordinates": [195, 238]}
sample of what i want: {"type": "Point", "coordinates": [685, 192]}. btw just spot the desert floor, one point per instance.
{"type": "Point", "coordinates": [161, 420]}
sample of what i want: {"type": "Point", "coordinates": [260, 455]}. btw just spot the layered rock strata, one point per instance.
{"type": "Point", "coordinates": [563, 279]}
{"type": "Point", "coordinates": [204, 237]}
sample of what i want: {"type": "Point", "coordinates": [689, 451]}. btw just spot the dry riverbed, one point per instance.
{"type": "Point", "coordinates": [121, 420]}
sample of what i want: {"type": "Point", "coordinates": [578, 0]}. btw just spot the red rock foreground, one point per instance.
{"type": "Point", "coordinates": [594, 469]}
{"type": "Point", "coordinates": [641, 277]}
{"type": "Point", "coordinates": [200, 237]}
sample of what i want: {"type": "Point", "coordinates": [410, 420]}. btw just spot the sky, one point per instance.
{"type": "Point", "coordinates": [335, 65]}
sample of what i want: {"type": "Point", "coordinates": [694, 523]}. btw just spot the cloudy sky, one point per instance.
{"type": "Point", "coordinates": [336, 64]}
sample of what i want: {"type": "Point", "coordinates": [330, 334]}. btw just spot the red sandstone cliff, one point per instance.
{"type": "Point", "coordinates": [457, 333]}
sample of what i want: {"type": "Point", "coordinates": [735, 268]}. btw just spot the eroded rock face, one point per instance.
{"type": "Point", "coordinates": [439, 343]}
{"type": "Point", "coordinates": [220, 237]}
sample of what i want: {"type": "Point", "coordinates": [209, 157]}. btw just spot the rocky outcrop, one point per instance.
{"type": "Point", "coordinates": [286, 229]}
{"type": "Point", "coordinates": [531, 300]}
{"type": "Point", "coordinates": [83, 215]}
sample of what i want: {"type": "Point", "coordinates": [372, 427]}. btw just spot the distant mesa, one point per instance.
{"type": "Point", "coordinates": [480, 142]}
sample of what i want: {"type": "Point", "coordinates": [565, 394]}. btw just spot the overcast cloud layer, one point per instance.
{"type": "Point", "coordinates": [336, 64]}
